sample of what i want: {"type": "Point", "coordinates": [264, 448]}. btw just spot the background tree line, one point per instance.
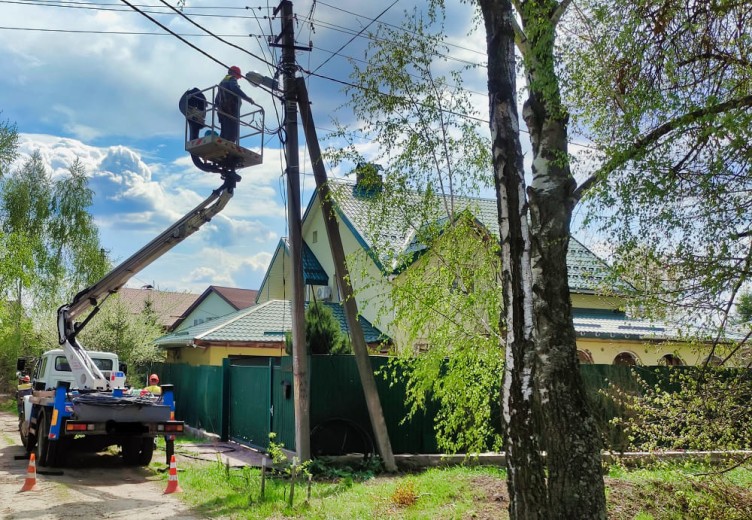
{"type": "Point", "coordinates": [49, 250]}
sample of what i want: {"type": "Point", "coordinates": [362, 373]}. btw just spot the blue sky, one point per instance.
{"type": "Point", "coordinates": [93, 79]}
{"type": "Point", "coordinates": [74, 88]}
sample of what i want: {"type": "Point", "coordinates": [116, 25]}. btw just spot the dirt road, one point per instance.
{"type": "Point", "coordinates": [90, 486]}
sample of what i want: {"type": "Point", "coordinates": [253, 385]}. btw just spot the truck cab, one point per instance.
{"type": "Point", "coordinates": [54, 367]}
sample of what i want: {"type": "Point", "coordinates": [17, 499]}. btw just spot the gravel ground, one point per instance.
{"type": "Point", "coordinates": [89, 486]}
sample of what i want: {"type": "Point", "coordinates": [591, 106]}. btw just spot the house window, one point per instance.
{"type": "Point", "coordinates": [198, 321]}
{"type": "Point", "coordinates": [315, 237]}
{"type": "Point", "coordinates": [670, 360]}
{"type": "Point", "coordinates": [585, 357]}
{"type": "Point", "coordinates": [713, 361]}
{"type": "Point", "coordinates": [626, 359]}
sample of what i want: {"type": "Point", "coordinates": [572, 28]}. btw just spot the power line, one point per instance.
{"type": "Point", "coordinates": [379, 93]}
{"type": "Point", "coordinates": [346, 30]}
{"type": "Point", "coordinates": [450, 112]}
{"type": "Point", "coordinates": [174, 33]}
{"type": "Point", "coordinates": [122, 33]}
{"type": "Point", "coordinates": [357, 34]}
{"type": "Point", "coordinates": [397, 27]}
{"type": "Point", "coordinates": [90, 6]}
{"type": "Point", "coordinates": [263, 60]}
{"type": "Point", "coordinates": [223, 7]}
{"type": "Point", "coordinates": [360, 60]}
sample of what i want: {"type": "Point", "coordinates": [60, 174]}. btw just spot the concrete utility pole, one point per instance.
{"type": "Point", "coordinates": [299, 354]}
{"type": "Point", "coordinates": [365, 370]}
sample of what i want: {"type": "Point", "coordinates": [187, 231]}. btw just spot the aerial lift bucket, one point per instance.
{"type": "Point", "coordinates": [210, 151]}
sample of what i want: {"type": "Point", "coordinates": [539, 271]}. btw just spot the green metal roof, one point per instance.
{"type": "Point", "coordinates": [586, 271]}
{"type": "Point", "coordinates": [264, 322]}
{"type": "Point", "coordinates": [603, 323]}
{"type": "Point", "coordinates": [313, 272]}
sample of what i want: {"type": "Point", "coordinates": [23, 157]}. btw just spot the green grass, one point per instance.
{"type": "Point", "coordinates": [679, 491]}
{"type": "Point", "coordinates": [660, 492]}
{"type": "Point", "coordinates": [448, 493]}
{"type": "Point", "coordinates": [8, 404]}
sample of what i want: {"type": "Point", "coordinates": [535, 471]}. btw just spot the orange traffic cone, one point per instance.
{"type": "Point", "coordinates": [172, 480]}
{"type": "Point", "coordinates": [31, 475]}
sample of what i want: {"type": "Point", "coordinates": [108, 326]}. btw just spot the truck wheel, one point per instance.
{"type": "Point", "coordinates": [138, 451]}
{"type": "Point", "coordinates": [43, 441]}
{"type": "Point", "coordinates": [24, 435]}
{"type": "Point", "coordinates": [147, 451]}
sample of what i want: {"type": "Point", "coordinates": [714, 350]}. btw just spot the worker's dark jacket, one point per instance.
{"type": "Point", "coordinates": [226, 101]}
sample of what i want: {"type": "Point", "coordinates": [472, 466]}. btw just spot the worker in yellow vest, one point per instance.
{"type": "Point", "coordinates": [24, 388]}
{"type": "Point", "coordinates": [153, 387]}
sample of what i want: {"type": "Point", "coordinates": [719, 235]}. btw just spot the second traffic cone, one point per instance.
{"type": "Point", "coordinates": [172, 480]}
{"type": "Point", "coordinates": [30, 484]}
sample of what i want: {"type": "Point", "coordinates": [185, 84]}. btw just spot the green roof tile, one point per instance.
{"type": "Point", "coordinates": [586, 272]}
{"type": "Point", "coordinates": [265, 322]}
{"type": "Point", "coordinates": [601, 323]}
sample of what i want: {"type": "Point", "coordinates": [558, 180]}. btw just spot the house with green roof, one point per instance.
{"type": "Point", "coordinates": [606, 334]}
{"type": "Point", "coordinates": [256, 331]}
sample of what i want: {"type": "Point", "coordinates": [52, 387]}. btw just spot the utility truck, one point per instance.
{"type": "Point", "coordinates": [78, 398]}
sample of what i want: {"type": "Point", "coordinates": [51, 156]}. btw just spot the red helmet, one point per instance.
{"type": "Point", "coordinates": [154, 378]}
{"type": "Point", "coordinates": [235, 71]}
{"type": "Point", "coordinates": [26, 379]}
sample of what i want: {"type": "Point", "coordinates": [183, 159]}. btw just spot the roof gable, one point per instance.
{"type": "Point", "coordinates": [313, 271]}
{"type": "Point", "coordinates": [236, 298]}
{"type": "Point", "coordinates": [169, 306]}
{"type": "Point", "coordinates": [586, 272]}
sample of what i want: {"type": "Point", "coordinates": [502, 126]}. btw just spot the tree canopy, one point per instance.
{"type": "Point", "coordinates": [49, 247]}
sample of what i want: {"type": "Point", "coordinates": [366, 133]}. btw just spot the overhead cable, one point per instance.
{"type": "Point", "coordinates": [207, 31]}
{"type": "Point", "coordinates": [356, 35]}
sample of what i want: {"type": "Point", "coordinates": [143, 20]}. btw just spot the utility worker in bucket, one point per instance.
{"type": "Point", "coordinates": [228, 100]}
{"type": "Point", "coordinates": [153, 387]}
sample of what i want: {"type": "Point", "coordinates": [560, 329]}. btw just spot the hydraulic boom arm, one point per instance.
{"type": "Point", "coordinates": [86, 373]}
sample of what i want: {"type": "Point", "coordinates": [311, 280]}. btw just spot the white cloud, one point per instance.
{"type": "Point", "coordinates": [133, 204]}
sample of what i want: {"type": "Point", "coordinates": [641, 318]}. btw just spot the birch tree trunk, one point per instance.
{"type": "Point", "coordinates": [570, 435]}
{"type": "Point", "coordinates": [544, 401]}
{"type": "Point", "coordinates": [526, 477]}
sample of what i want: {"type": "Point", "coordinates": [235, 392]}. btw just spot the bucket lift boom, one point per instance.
{"type": "Point", "coordinates": [86, 373]}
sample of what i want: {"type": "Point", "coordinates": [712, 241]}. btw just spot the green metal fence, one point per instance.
{"type": "Point", "coordinates": [198, 393]}
{"type": "Point", "coordinates": [248, 398]}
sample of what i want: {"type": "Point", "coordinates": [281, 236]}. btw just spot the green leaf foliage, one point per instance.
{"type": "Point", "coordinates": [323, 332]}
{"type": "Point", "coordinates": [49, 249]}
{"type": "Point", "coordinates": [664, 91]}
{"type": "Point", "coordinates": [130, 335]}
{"type": "Point", "coordinates": [443, 296]}
{"type": "Point", "coordinates": [8, 145]}
{"type": "Point", "coordinates": [683, 411]}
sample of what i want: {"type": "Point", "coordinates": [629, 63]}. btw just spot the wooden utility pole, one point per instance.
{"type": "Point", "coordinates": [299, 354]}
{"type": "Point", "coordinates": [360, 348]}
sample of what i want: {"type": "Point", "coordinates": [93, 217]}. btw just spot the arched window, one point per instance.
{"type": "Point", "coordinates": [585, 357]}
{"type": "Point", "coordinates": [713, 361]}
{"type": "Point", "coordinates": [670, 360]}
{"type": "Point", "coordinates": [626, 359]}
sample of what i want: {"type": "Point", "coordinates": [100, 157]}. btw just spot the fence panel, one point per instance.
{"type": "Point", "coordinates": [283, 419]}
{"type": "Point", "coordinates": [250, 404]}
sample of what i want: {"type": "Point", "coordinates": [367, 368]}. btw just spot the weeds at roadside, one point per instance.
{"type": "Point", "coordinates": [404, 494]}
{"type": "Point", "coordinates": [8, 404]}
